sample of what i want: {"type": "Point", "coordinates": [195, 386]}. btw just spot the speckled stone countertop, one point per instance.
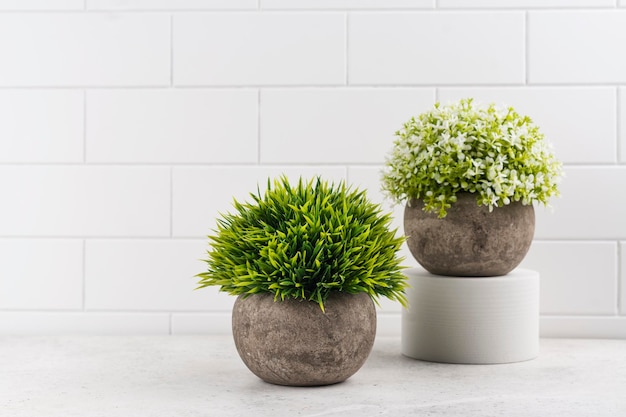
{"type": "Point", "coordinates": [187, 376]}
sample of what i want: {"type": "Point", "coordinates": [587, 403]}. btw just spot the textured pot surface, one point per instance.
{"type": "Point", "coordinates": [293, 342]}
{"type": "Point", "coordinates": [470, 240]}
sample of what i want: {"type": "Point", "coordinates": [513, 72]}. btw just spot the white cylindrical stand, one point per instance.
{"type": "Point", "coordinates": [483, 320]}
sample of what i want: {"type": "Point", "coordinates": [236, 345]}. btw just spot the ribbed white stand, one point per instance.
{"type": "Point", "coordinates": [471, 320]}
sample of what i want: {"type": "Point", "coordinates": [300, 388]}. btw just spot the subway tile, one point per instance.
{"type": "Point", "coordinates": [347, 4]}
{"type": "Point", "coordinates": [202, 323]}
{"type": "Point", "coordinates": [497, 4]}
{"type": "Point", "coordinates": [426, 48]}
{"type": "Point", "coordinates": [577, 278]}
{"type": "Point", "coordinates": [335, 125]}
{"type": "Point", "coordinates": [170, 4]}
{"type": "Point", "coordinates": [388, 325]}
{"type": "Point", "coordinates": [590, 139]}
{"type": "Point", "coordinates": [200, 194]}
{"type": "Point", "coordinates": [583, 327]}
{"type": "Point", "coordinates": [41, 126]}
{"type": "Point", "coordinates": [84, 49]}
{"type": "Point", "coordinates": [81, 323]}
{"type": "Point", "coordinates": [41, 5]}
{"type": "Point", "coordinates": [148, 275]}
{"type": "Point", "coordinates": [591, 206]}
{"type": "Point", "coordinates": [172, 126]}
{"type": "Point", "coordinates": [577, 46]}
{"type": "Point", "coordinates": [41, 274]}
{"type": "Point", "coordinates": [259, 48]}
{"type": "Point", "coordinates": [78, 200]}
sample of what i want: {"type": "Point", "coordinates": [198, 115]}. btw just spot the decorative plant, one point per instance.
{"type": "Point", "coordinates": [492, 152]}
{"type": "Point", "coordinates": [304, 242]}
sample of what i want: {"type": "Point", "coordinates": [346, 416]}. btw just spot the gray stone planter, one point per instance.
{"type": "Point", "coordinates": [293, 342]}
{"type": "Point", "coordinates": [470, 240]}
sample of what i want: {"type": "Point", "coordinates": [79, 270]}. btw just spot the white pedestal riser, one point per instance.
{"type": "Point", "coordinates": [471, 320]}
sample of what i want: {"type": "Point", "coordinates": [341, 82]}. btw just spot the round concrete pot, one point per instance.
{"type": "Point", "coordinates": [470, 240]}
{"type": "Point", "coordinates": [293, 342]}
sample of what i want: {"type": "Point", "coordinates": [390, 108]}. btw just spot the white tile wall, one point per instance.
{"type": "Point", "coordinates": [21, 5]}
{"type": "Point", "coordinates": [591, 206]}
{"type": "Point", "coordinates": [77, 49]}
{"type": "Point", "coordinates": [199, 323]}
{"type": "Point", "coordinates": [582, 50]}
{"type": "Point", "coordinates": [486, 4]}
{"type": "Point", "coordinates": [41, 274]}
{"type": "Point", "coordinates": [170, 4]}
{"type": "Point", "coordinates": [172, 126]}
{"type": "Point", "coordinates": [584, 327]}
{"type": "Point", "coordinates": [346, 4]}
{"type": "Point", "coordinates": [128, 125]}
{"type": "Point", "coordinates": [57, 136]}
{"type": "Point", "coordinates": [200, 194]}
{"type": "Point", "coordinates": [335, 125]}
{"type": "Point", "coordinates": [261, 48]}
{"type": "Point", "coordinates": [436, 48]}
{"type": "Point", "coordinates": [576, 277]}
{"type": "Point", "coordinates": [44, 323]}
{"type": "Point", "coordinates": [78, 201]}
{"type": "Point", "coordinates": [162, 271]}
{"type": "Point", "coordinates": [622, 123]}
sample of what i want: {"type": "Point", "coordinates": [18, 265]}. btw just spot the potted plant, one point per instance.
{"type": "Point", "coordinates": [470, 175]}
{"type": "Point", "coordinates": [305, 262]}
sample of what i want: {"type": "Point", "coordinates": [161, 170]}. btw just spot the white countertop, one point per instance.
{"type": "Point", "coordinates": [188, 376]}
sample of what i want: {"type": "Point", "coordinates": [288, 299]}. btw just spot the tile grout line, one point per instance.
{"type": "Point", "coordinates": [618, 125]}
{"type": "Point", "coordinates": [417, 9]}
{"type": "Point", "coordinates": [172, 50]}
{"type": "Point", "coordinates": [312, 86]}
{"type": "Point", "coordinates": [346, 62]}
{"type": "Point", "coordinates": [256, 164]}
{"type": "Point", "coordinates": [526, 48]}
{"type": "Point", "coordinates": [258, 127]}
{"type": "Point", "coordinates": [84, 126]}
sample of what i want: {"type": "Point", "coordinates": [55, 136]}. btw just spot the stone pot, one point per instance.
{"type": "Point", "coordinates": [470, 240]}
{"type": "Point", "coordinates": [293, 342]}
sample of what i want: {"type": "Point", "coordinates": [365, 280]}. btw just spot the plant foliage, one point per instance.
{"type": "Point", "coordinates": [493, 152]}
{"type": "Point", "coordinates": [304, 242]}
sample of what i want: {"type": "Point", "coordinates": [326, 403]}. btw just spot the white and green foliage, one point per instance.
{"type": "Point", "coordinates": [463, 147]}
{"type": "Point", "coordinates": [305, 241]}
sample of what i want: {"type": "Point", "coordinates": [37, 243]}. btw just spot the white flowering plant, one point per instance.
{"type": "Point", "coordinates": [493, 152]}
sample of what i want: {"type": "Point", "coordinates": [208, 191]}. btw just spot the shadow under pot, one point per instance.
{"type": "Point", "coordinates": [470, 241]}
{"type": "Point", "coordinates": [293, 342]}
